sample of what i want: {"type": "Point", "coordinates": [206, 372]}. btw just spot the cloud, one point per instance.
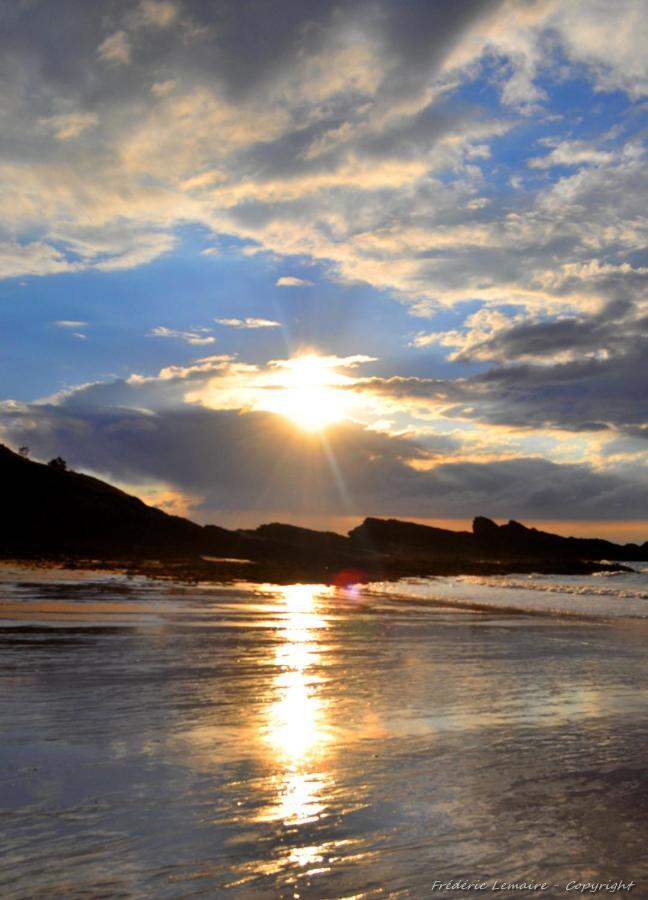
{"type": "Point", "coordinates": [172, 501]}
{"type": "Point", "coordinates": [343, 137]}
{"type": "Point", "coordinates": [159, 13]}
{"type": "Point", "coordinates": [196, 337]}
{"type": "Point", "coordinates": [163, 88]}
{"type": "Point", "coordinates": [67, 126]}
{"type": "Point", "coordinates": [248, 323]}
{"type": "Point", "coordinates": [608, 39]}
{"type": "Point", "coordinates": [195, 430]}
{"type": "Point", "coordinates": [572, 154]}
{"type": "Point", "coordinates": [596, 391]}
{"type": "Point", "coordinates": [115, 48]}
{"type": "Point", "coordinates": [70, 323]}
{"type": "Point", "coordinates": [584, 36]}
{"type": "Point", "coordinates": [257, 461]}
{"type": "Point", "coordinates": [32, 258]}
{"type": "Point", "coordinates": [390, 142]}
{"type": "Point", "coordinates": [125, 254]}
{"type": "Point", "coordinates": [291, 281]}
{"type": "Point", "coordinates": [493, 334]}
{"type": "Point", "coordinates": [356, 135]}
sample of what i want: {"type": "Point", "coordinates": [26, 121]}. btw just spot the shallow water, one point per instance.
{"type": "Point", "coordinates": [167, 741]}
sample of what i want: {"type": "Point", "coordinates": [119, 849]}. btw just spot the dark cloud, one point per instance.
{"type": "Point", "coordinates": [416, 38]}
{"type": "Point", "coordinates": [613, 331]}
{"type": "Point", "coordinates": [423, 32]}
{"type": "Point", "coordinates": [411, 138]}
{"type": "Point", "coordinates": [571, 396]}
{"type": "Point", "coordinates": [249, 44]}
{"type": "Point", "coordinates": [565, 396]}
{"type": "Point", "coordinates": [239, 45]}
{"type": "Point", "coordinates": [257, 461]}
{"type": "Point", "coordinates": [235, 460]}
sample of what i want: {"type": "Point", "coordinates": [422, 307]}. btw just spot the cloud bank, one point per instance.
{"type": "Point", "coordinates": [161, 432]}
{"type": "Point", "coordinates": [430, 151]}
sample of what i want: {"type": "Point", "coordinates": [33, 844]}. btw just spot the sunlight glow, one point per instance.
{"type": "Point", "coordinates": [310, 392]}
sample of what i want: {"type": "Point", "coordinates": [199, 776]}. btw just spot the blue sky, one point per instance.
{"type": "Point", "coordinates": [184, 290]}
{"type": "Point", "coordinates": [443, 202]}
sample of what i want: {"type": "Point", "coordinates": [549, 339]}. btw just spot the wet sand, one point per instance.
{"type": "Point", "coordinates": [257, 741]}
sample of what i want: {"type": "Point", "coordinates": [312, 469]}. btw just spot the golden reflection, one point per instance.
{"type": "Point", "coordinates": [299, 796]}
{"type": "Point", "coordinates": [295, 725]}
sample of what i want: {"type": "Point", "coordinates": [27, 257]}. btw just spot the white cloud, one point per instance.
{"type": "Point", "coordinates": [248, 323]}
{"type": "Point", "coordinates": [70, 323]}
{"type": "Point", "coordinates": [572, 153]}
{"type": "Point", "coordinates": [609, 38]}
{"type": "Point", "coordinates": [195, 336]}
{"type": "Point", "coordinates": [291, 281]}
{"type": "Point", "coordinates": [33, 258]}
{"type": "Point", "coordinates": [147, 248]}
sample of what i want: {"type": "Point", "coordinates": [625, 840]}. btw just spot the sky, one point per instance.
{"type": "Point", "coordinates": [316, 261]}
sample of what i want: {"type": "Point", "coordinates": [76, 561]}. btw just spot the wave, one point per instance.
{"type": "Point", "coordinates": [578, 596]}
{"type": "Point", "coordinates": [580, 589]}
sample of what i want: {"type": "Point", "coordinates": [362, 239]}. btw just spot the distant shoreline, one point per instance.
{"type": "Point", "coordinates": [54, 517]}
{"type": "Point", "coordinates": [194, 570]}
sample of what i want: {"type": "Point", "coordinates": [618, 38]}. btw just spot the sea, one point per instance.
{"type": "Point", "coordinates": [446, 737]}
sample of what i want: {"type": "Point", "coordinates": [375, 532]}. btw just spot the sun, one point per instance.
{"type": "Point", "coordinates": [308, 391]}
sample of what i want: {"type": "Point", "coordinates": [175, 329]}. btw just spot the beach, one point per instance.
{"type": "Point", "coordinates": [402, 740]}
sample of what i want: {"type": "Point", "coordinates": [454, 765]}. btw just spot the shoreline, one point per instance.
{"type": "Point", "coordinates": [457, 592]}
{"type": "Point", "coordinates": [225, 571]}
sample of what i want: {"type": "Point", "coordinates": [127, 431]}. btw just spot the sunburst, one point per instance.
{"type": "Point", "coordinates": [309, 391]}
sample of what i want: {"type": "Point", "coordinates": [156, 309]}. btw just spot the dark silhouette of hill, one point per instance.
{"type": "Point", "coordinates": [305, 539]}
{"type": "Point", "coordinates": [48, 510]}
{"type": "Point", "coordinates": [51, 513]}
{"type": "Point", "coordinates": [488, 540]}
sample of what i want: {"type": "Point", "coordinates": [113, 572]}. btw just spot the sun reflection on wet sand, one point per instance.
{"type": "Point", "coordinates": [295, 722]}
{"type": "Point", "coordinates": [302, 742]}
